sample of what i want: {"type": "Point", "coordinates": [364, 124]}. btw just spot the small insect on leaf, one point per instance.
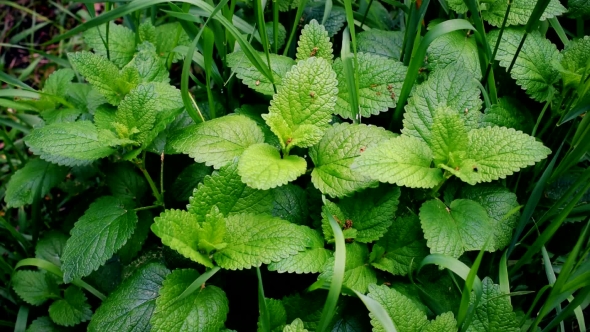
{"type": "Point", "coordinates": [347, 224]}
{"type": "Point", "coordinates": [363, 149]}
{"type": "Point", "coordinates": [466, 111]}
{"type": "Point", "coordinates": [389, 87]}
{"type": "Point", "coordinates": [392, 95]}
{"type": "Point", "coordinates": [257, 82]}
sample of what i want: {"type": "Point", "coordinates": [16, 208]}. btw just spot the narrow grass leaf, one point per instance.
{"type": "Point", "coordinates": [264, 314]}
{"type": "Point", "coordinates": [21, 319]}
{"type": "Point", "coordinates": [378, 311]}
{"type": "Point", "coordinates": [198, 283]}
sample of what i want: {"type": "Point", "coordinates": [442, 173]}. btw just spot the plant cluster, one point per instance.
{"type": "Point", "coordinates": [383, 172]}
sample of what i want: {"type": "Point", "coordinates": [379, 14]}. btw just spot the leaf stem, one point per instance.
{"type": "Point", "coordinates": [141, 165]}
{"type": "Point", "coordinates": [147, 207]}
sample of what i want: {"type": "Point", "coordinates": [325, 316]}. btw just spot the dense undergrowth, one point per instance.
{"type": "Point", "coordinates": [296, 166]}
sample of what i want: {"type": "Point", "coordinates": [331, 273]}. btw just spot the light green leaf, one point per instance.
{"type": "Point", "coordinates": [70, 144]}
{"type": "Point", "coordinates": [262, 167]}
{"type": "Point", "coordinates": [34, 287]}
{"type": "Point", "coordinates": [458, 5]}
{"type": "Point", "coordinates": [203, 310]}
{"type": "Point", "coordinates": [334, 154]}
{"type": "Point", "coordinates": [121, 42]}
{"type": "Point", "coordinates": [149, 65]}
{"type": "Point", "coordinates": [84, 97]}
{"type": "Point", "coordinates": [277, 315]}
{"type": "Point", "coordinates": [301, 110]}
{"type": "Point", "coordinates": [180, 231]}
{"type": "Point", "coordinates": [165, 45]}
{"type": "Point", "coordinates": [25, 182]}
{"type": "Point", "coordinates": [358, 274]}
{"type": "Point", "coordinates": [130, 307]}
{"type": "Point", "coordinates": [225, 189]}
{"type": "Point", "coordinates": [406, 316]}
{"type": "Point", "coordinates": [380, 82]}
{"type": "Point", "coordinates": [520, 11]}
{"type": "Point", "coordinates": [533, 69]}
{"type": "Point", "coordinates": [312, 260]}
{"type": "Point", "coordinates": [314, 42]}
{"type": "Point", "coordinates": [212, 232]}
{"type": "Point", "coordinates": [463, 226]}
{"type": "Point", "coordinates": [379, 42]}
{"type": "Point", "coordinates": [452, 87]}
{"type": "Point", "coordinates": [72, 309]}
{"type": "Point", "coordinates": [60, 115]}
{"type": "Point", "coordinates": [250, 76]}
{"type": "Point", "coordinates": [103, 229]}
{"type": "Point", "coordinates": [498, 202]}
{"type": "Point", "coordinates": [188, 180]}
{"type": "Point", "coordinates": [58, 82]}
{"type": "Point", "coordinates": [104, 75]}
{"type": "Point", "coordinates": [442, 323]}
{"type": "Point", "coordinates": [508, 112]}
{"type": "Point", "coordinates": [458, 49]}
{"type": "Point", "coordinates": [256, 239]}
{"type": "Point", "coordinates": [493, 311]}
{"type": "Point", "coordinates": [51, 246]}
{"type": "Point", "coordinates": [403, 160]}
{"type": "Point", "coordinates": [44, 324]}
{"type": "Point", "coordinates": [290, 203]}
{"type": "Point", "coordinates": [139, 110]}
{"type": "Point", "coordinates": [402, 245]}
{"type": "Point", "coordinates": [449, 137]}
{"type": "Point", "coordinates": [295, 326]}
{"type": "Point", "coordinates": [576, 56]}
{"type": "Point", "coordinates": [218, 141]}
{"type": "Point", "coordinates": [495, 152]}
{"type": "Point", "coordinates": [370, 212]}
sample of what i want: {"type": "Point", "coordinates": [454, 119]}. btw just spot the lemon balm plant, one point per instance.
{"type": "Point", "coordinates": [352, 170]}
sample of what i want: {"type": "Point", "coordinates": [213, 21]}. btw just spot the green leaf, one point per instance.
{"type": "Point", "coordinates": [37, 177]}
{"type": "Point", "coordinates": [70, 144]}
{"type": "Point", "coordinates": [282, 34]}
{"type": "Point", "coordinates": [458, 5]}
{"type": "Point", "coordinates": [262, 167]}
{"type": "Point", "coordinates": [58, 82]}
{"type": "Point", "coordinates": [370, 212]}
{"type": "Point", "coordinates": [125, 183]}
{"type": "Point", "coordinates": [135, 243]}
{"type": "Point", "coordinates": [188, 180]}
{"type": "Point", "coordinates": [204, 310]}
{"type": "Point", "coordinates": [84, 97]}
{"type": "Point", "coordinates": [457, 49]}
{"type": "Point", "coordinates": [578, 8]}
{"type": "Point", "coordinates": [405, 314]}
{"type": "Point", "coordinates": [60, 115]}
{"type": "Point", "coordinates": [103, 229]}
{"type": "Point", "coordinates": [533, 69]}
{"type": "Point", "coordinates": [139, 111]}
{"type": "Point", "coordinates": [401, 246]}
{"type": "Point", "coordinates": [121, 42]}
{"type": "Point", "coordinates": [334, 154]}
{"type": "Point", "coordinates": [51, 246]}
{"type": "Point", "coordinates": [575, 59]}
{"type": "Point", "coordinates": [358, 274]}
{"type": "Point", "coordinates": [463, 226]}
{"type": "Point", "coordinates": [443, 323]}
{"type": "Point", "coordinates": [256, 239]}
{"type": "Point", "coordinates": [520, 11]}
{"type": "Point", "coordinates": [180, 231]}
{"type": "Point", "coordinates": [451, 87]}
{"type": "Point", "coordinates": [290, 203]}
{"type": "Point", "coordinates": [212, 232]}
{"type": "Point", "coordinates": [252, 77]}
{"type": "Point", "coordinates": [295, 326]}
{"type": "Point", "coordinates": [302, 109]}
{"type": "Point", "coordinates": [335, 21]}
{"type": "Point", "coordinates": [495, 152]}
{"type": "Point", "coordinates": [508, 112]}
{"type": "Point", "coordinates": [379, 42]}
{"type": "Point", "coordinates": [225, 189]}
{"type": "Point", "coordinates": [307, 307]}
{"type": "Point", "coordinates": [312, 260]}
{"type": "Point", "coordinates": [44, 324]}
{"type": "Point", "coordinates": [149, 65]}
{"type": "Point", "coordinates": [104, 75]}
{"type": "Point", "coordinates": [500, 204]}
{"type": "Point", "coordinates": [314, 42]}
{"type": "Point", "coordinates": [277, 315]}
{"type": "Point", "coordinates": [34, 287]}
{"type": "Point", "coordinates": [493, 311]}
{"type": "Point", "coordinates": [449, 137]}
{"type": "Point", "coordinates": [217, 142]}
{"type": "Point", "coordinates": [72, 309]}
{"type": "Point", "coordinates": [130, 306]}
{"type": "Point", "coordinates": [380, 82]}
{"type": "Point", "coordinates": [403, 160]}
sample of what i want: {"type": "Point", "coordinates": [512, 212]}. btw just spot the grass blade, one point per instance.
{"type": "Point", "coordinates": [378, 311]}
{"type": "Point", "coordinates": [21, 319]}
{"type": "Point", "coordinates": [503, 276]}
{"type": "Point", "coordinates": [337, 277]}
{"type": "Point", "coordinates": [198, 283]}
{"type": "Point", "coordinates": [209, 39]}
{"type": "Point", "coordinates": [300, 8]}
{"type": "Point", "coordinates": [465, 310]}
{"type": "Point", "coordinates": [351, 84]}
{"type": "Point", "coordinates": [264, 314]}
{"type": "Point", "coordinates": [559, 30]}
{"type": "Point", "coordinates": [567, 311]}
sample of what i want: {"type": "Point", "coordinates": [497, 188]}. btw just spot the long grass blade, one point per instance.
{"type": "Point", "coordinates": [466, 311]}
{"type": "Point", "coordinates": [198, 283]}
{"type": "Point", "coordinates": [378, 311]}
{"type": "Point", "coordinates": [337, 277]}
{"type": "Point", "coordinates": [264, 314]}
{"type": "Point", "coordinates": [503, 278]}
{"type": "Point", "coordinates": [351, 85]}
{"type": "Point", "coordinates": [567, 311]}
{"type": "Point", "coordinates": [21, 319]}
{"type": "Point", "coordinates": [298, 15]}
{"type": "Point", "coordinates": [209, 43]}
